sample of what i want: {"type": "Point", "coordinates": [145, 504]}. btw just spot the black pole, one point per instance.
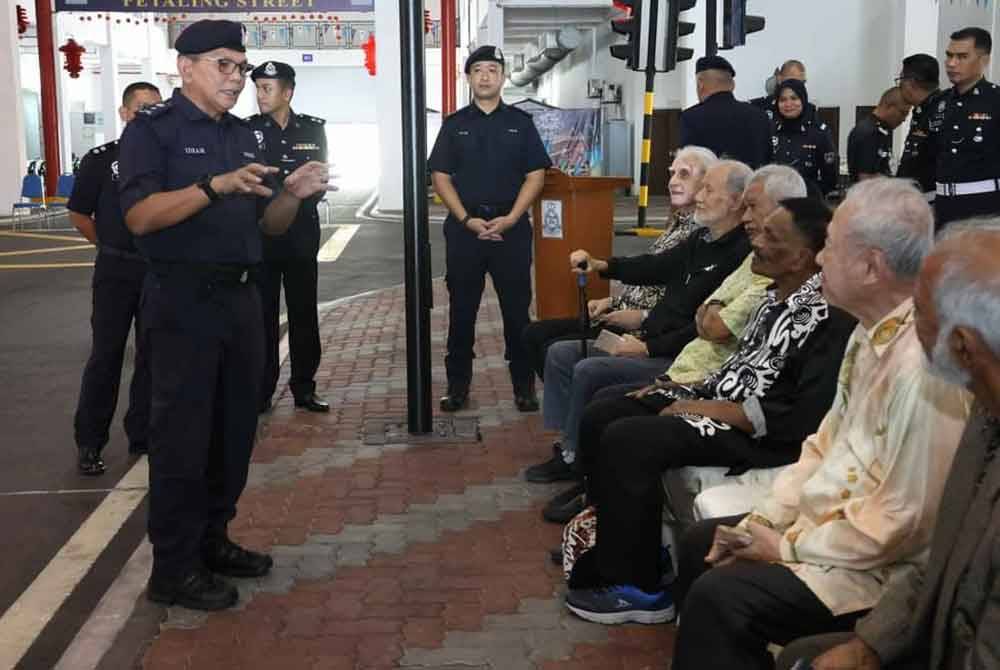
{"type": "Point", "coordinates": [711, 27]}
{"type": "Point", "coordinates": [647, 115]}
{"type": "Point", "coordinates": [416, 237]}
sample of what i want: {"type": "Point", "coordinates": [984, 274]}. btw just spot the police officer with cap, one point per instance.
{"type": "Point", "coordinates": [966, 132]}
{"type": "Point", "coordinates": [869, 144]}
{"type": "Point", "coordinates": [117, 286]}
{"type": "Point", "coordinates": [919, 82]}
{"type": "Point", "coordinates": [196, 194]}
{"type": "Point", "coordinates": [290, 140]}
{"type": "Point", "coordinates": [720, 122]}
{"type": "Point", "coordinates": [488, 166]}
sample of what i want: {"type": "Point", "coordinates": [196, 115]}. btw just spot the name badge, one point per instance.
{"type": "Point", "coordinates": [247, 154]}
{"type": "Point", "coordinates": [194, 150]}
{"type": "Point", "coordinates": [305, 146]}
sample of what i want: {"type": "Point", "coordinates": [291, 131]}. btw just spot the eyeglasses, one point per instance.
{"type": "Point", "coordinates": [227, 66]}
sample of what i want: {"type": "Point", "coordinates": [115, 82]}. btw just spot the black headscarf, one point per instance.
{"type": "Point", "coordinates": [799, 88]}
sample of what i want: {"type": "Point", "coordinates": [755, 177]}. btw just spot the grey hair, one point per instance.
{"type": "Point", "coordinates": [706, 158]}
{"type": "Point", "coordinates": [738, 176]}
{"type": "Point", "coordinates": [781, 182]}
{"type": "Point", "coordinates": [892, 216]}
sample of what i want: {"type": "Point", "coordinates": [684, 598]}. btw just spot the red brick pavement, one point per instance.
{"type": "Point", "coordinates": [367, 616]}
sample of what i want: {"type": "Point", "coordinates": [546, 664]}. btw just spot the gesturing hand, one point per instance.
{"type": "Point", "coordinates": [247, 179]}
{"type": "Point", "coordinates": [309, 179]}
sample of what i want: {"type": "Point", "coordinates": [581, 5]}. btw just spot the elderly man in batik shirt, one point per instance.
{"type": "Point", "coordinates": [855, 513]}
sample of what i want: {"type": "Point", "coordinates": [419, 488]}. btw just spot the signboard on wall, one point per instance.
{"type": "Point", "coordinates": [215, 6]}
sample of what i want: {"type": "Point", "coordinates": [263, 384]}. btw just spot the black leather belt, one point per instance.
{"type": "Point", "coordinates": [222, 273]}
{"type": "Point", "coordinates": [491, 210]}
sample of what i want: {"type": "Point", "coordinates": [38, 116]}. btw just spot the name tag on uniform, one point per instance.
{"type": "Point", "coordinates": [808, 146]}
{"type": "Point", "coordinates": [513, 130]}
{"type": "Point", "coordinates": [980, 116]}
{"type": "Point", "coordinates": [305, 146]}
{"type": "Point", "coordinates": [194, 150]}
{"type": "Point", "coordinates": [247, 154]}
{"type": "Point", "coordinates": [463, 132]}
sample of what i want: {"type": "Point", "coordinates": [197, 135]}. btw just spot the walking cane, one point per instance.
{"type": "Point", "coordinates": [581, 282]}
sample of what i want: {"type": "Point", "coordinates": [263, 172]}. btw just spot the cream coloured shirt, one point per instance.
{"type": "Point", "coordinates": [858, 508]}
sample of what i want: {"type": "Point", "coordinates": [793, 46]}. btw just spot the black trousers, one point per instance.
{"type": "Point", "coordinates": [729, 614]}
{"type": "Point", "coordinates": [299, 276]}
{"type": "Point", "coordinates": [508, 263]}
{"type": "Point", "coordinates": [117, 288]}
{"type": "Point", "coordinates": [956, 208]}
{"type": "Point", "coordinates": [538, 336]}
{"type": "Point", "coordinates": [625, 447]}
{"type": "Point", "coordinates": [206, 350]}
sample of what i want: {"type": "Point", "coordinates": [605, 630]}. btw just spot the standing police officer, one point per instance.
{"type": "Point", "coordinates": [919, 82]}
{"type": "Point", "coordinates": [117, 285]}
{"type": "Point", "coordinates": [801, 142]}
{"type": "Point", "coordinates": [869, 144]}
{"type": "Point", "coordinates": [790, 69]}
{"type": "Point", "coordinates": [720, 122]}
{"type": "Point", "coordinates": [488, 165]}
{"type": "Point", "coordinates": [966, 130]}
{"type": "Point", "coordinates": [290, 140]}
{"type": "Point", "coordinates": [194, 192]}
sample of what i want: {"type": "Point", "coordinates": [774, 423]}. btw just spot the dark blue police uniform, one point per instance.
{"type": "Point", "coordinates": [869, 148]}
{"type": "Point", "coordinates": [488, 156]}
{"type": "Point", "coordinates": [917, 161]}
{"type": "Point", "coordinates": [201, 314]}
{"type": "Point", "coordinates": [965, 129]}
{"type": "Point", "coordinates": [291, 258]}
{"type": "Point", "coordinates": [117, 285]}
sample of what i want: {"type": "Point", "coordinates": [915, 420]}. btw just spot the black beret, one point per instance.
{"type": "Point", "coordinates": [714, 63]}
{"type": "Point", "coordinates": [485, 52]}
{"type": "Point", "coordinates": [208, 34]}
{"type": "Point", "coordinates": [272, 69]}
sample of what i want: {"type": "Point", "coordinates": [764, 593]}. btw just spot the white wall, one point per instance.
{"type": "Point", "coordinates": [12, 143]}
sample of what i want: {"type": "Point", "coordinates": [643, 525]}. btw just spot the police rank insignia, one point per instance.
{"type": "Point", "coordinates": [497, 53]}
{"type": "Point", "coordinates": [270, 70]}
{"type": "Point", "coordinates": [260, 139]}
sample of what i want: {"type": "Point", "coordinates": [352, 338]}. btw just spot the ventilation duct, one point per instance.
{"type": "Point", "coordinates": [567, 39]}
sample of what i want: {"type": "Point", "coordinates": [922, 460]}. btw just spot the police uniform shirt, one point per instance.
{"type": "Point", "coordinates": [917, 161]}
{"type": "Point", "coordinates": [808, 148]}
{"type": "Point", "coordinates": [967, 140]}
{"type": "Point", "coordinates": [302, 140]}
{"type": "Point", "coordinates": [171, 146]}
{"type": "Point", "coordinates": [95, 193]}
{"type": "Point", "coordinates": [869, 148]}
{"type": "Point", "coordinates": [488, 155]}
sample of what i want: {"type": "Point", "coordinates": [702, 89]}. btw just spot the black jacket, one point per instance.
{"type": "Point", "coordinates": [730, 128]}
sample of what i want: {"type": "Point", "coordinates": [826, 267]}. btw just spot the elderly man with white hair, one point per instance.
{"type": "Point", "coordinates": [945, 616]}
{"type": "Point", "coordinates": [855, 513]}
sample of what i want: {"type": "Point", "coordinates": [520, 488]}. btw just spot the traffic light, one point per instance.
{"type": "Point", "coordinates": [675, 29]}
{"type": "Point", "coordinates": [631, 27]}
{"type": "Point", "coordinates": [737, 24]}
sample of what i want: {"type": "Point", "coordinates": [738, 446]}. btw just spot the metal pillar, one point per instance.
{"type": "Point", "coordinates": [449, 45]}
{"type": "Point", "coordinates": [416, 233]}
{"type": "Point", "coordinates": [50, 107]}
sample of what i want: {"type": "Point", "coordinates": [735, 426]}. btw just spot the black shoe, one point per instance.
{"type": "Point", "coordinates": [265, 406]}
{"type": "Point", "coordinates": [553, 470]}
{"type": "Point", "coordinates": [556, 556]}
{"type": "Point", "coordinates": [457, 398]}
{"type": "Point", "coordinates": [225, 557]}
{"type": "Point", "coordinates": [138, 448]}
{"type": "Point", "coordinates": [197, 590]}
{"type": "Point", "coordinates": [526, 402]}
{"type": "Point", "coordinates": [89, 462]}
{"type": "Point", "coordinates": [313, 403]}
{"type": "Point", "coordinates": [565, 506]}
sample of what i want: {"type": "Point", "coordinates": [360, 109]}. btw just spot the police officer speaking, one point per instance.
{"type": "Point", "coordinates": [488, 165]}
{"type": "Point", "coordinates": [193, 189]}
{"type": "Point", "coordinates": [289, 140]}
{"type": "Point", "coordinates": [966, 132]}
{"type": "Point", "coordinates": [117, 286]}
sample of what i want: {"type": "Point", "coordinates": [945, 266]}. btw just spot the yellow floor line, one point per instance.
{"type": "Point", "coordinates": [42, 236]}
{"type": "Point", "coordinates": [337, 243]}
{"type": "Point", "coordinates": [32, 611]}
{"type": "Point", "coordinates": [43, 266]}
{"type": "Point", "coordinates": [48, 250]}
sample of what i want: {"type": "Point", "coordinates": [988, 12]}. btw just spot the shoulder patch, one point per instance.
{"type": "Point", "coordinates": [156, 110]}
{"type": "Point", "coordinates": [312, 119]}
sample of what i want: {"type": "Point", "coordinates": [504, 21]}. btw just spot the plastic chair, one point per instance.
{"type": "Point", "coordinates": [57, 203]}
{"type": "Point", "coordinates": [32, 189]}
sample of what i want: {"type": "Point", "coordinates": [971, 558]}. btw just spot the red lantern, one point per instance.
{"type": "Point", "coordinates": [427, 21]}
{"type": "Point", "coordinates": [73, 53]}
{"type": "Point", "coordinates": [22, 20]}
{"type": "Point", "coordinates": [369, 48]}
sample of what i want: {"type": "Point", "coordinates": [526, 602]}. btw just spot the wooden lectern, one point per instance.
{"type": "Point", "coordinates": [572, 213]}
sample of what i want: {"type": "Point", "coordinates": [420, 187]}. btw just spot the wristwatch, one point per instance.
{"type": "Point", "coordinates": [465, 220]}
{"type": "Point", "coordinates": [205, 184]}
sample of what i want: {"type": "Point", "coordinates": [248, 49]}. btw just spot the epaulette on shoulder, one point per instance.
{"type": "Point", "coordinates": [156, 110]}
{"type": "Point", "coordinates": [312, 119]}
{"type": "Point", "coordinates": [104, 148]}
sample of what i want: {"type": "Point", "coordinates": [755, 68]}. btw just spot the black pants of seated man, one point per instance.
{"type": "Point", "coordinates": [729, 614]}
{"type": "Point", "coordinates": [538, 336]}
{"type": "Point", "coordinates": [625, 446]}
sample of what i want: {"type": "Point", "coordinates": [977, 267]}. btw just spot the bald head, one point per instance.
{"type": "Point", "coordinates": [892, 108]}
{"type": "Point", "coordinates": [957, 300]}
{"type": "Point", "coordinates": [711, 82]}
{"type": "Point", "coordinates": [792, 69]}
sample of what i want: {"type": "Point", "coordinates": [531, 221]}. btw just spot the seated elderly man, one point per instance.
{"type": "Point", "coordinates": [752, 412]}
{"type": "Point", "coordinates": [855, 513]}
{"type": "Point", "coordinates": [945, 616]}
{"type": "Point", "coordinates": [719, 322]}
{"type": "Point", "coordinates": [689, 273]}
{"type": "Point", "coordinates": [686, 174]}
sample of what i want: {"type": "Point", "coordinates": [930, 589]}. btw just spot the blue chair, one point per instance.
{"type": "Point", "coordinates": [57, 203]}
{"type": "Point", "coordinates": [32, 189]}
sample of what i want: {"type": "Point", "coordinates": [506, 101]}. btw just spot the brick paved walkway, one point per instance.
{"type": "Point", "coordinates": [407, 555]}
